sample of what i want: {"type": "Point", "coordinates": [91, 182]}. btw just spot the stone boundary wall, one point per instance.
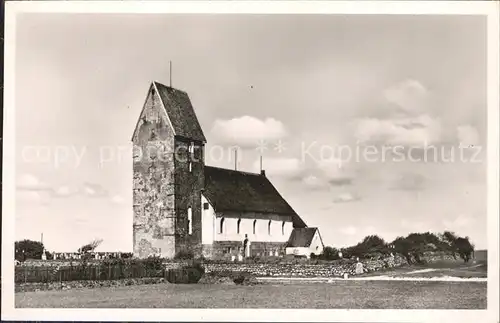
{"type": "Point", "coordinates": [335, 268]}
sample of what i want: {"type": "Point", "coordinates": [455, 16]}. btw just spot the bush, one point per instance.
{"type": "Point", "coordinates": [127, 255]}
{"type": "Point", "coordinates": [238, 277]}
{"type": "Point", "coordinates": [152, 263]}
{"type": "Point", "coordinates": [189, 274]}
{"type": "Point", "coordinates": [184, 255]}
{"type": "Point", "coordinates": [329, 253]}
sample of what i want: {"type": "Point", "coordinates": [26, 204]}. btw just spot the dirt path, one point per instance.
{"type": "Point", "coordinates": [372, 278]}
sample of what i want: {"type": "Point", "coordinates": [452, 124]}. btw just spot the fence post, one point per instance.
{"type": "Point", "coordinates": [109, 271]}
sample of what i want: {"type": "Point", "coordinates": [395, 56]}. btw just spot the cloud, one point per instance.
{"type": "Point", "coordinates": [247, 131]}
{"type": "Point", "coordinates": [415, 132]}
{"type": "Point", "coordinates": [346, 197]}
{"type": "Point", "coordinates": [467, 136]}
{"type": "Point", "coordinates": [335, 172]}
{"type": "Point", "coordinates": [30, 190]}
{"type": "Point", "coordinates": [459, 222]}
{"type": "Point", "coordinates": [358, 231]}
{"type": "Point", "coordinates": [65, 191]}
{"type": "Point", "coordinates": [414, 226]}
{"type": "Point", "coordinates": [412, 124]}
{"type": "Point", "coordinates": [94, 190]}
{"type": "Point", "coordinates": [291, 168]}
{"type": "Point", "coordinates": [315, 183]}
{"type": "Point", "coordinates": [117, 199]}
{"type": "Point", "coordinates": [29, 182]}
{"type": "Point", "coordinates": [409, 182]}
{"type": "Point", "coordinates": [31, 197]}
{"type": "Point", "coordinates": [408, 95]}
{"type": "Point", "coordinates": [350, 230]}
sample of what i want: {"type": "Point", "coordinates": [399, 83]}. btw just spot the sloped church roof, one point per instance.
{"type": "Point", "coordinates": [230, 190]}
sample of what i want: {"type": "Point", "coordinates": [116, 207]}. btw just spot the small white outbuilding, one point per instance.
{"type": "Point", "coordinates": [304, 242]}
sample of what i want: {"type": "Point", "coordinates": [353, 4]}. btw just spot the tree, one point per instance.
{"type": "Point", "coordinates": [449, 238]}
{"type": "Point", "coordinates": [330, 253]}
{"type": "Point", "coordinates": [28, 249]}
{"type": "Point", "coordinates": [464, 248]}
{"type": "Point", "coordinates": [369, 246]}
{"type": "Point", "coordinates": [457, 244]}
{"type": "Point", "coordinates": [91, 246]}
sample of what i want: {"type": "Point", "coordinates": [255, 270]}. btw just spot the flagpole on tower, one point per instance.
{"type": "Point", "coordinates": [170, 72]}
{"type": "Point", "coordinates": [236, 159]}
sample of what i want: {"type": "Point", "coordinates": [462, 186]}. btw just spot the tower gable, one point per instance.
{"type": "Point", "coordinates": [153, 112]}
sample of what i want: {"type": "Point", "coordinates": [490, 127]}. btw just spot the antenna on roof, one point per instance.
{"type": "Point", "coordinates": [236, 159]}
{"type": "Point", "coordinates": [262, 171]}
{"type": "Point", "coordinates": [170, 72]}
{"type": "Point", "coordinates": [41, 238]}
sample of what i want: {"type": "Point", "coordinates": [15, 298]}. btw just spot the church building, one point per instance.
{"type": "Point", "coordinates": [182, 205]}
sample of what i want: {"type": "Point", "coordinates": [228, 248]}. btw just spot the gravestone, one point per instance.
{"type": "Point", "coordinates": [359, 268]}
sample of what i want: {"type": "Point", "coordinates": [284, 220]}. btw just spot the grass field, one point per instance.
{"type": "Point", "coordinates": [438, 269]}
{"type": "Point", "coordinates": [340, 294]}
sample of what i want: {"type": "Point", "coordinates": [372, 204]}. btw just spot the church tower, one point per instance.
{"type": "Point", "coordinates": [168, 175]}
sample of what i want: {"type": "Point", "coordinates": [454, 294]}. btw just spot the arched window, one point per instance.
{"type": "Point", "coordinates": [254, 225]}
{"type": "Point", "coordinates": [221, 226]}
{"type": "Point", "coordinates": [283, 228]}
{"type": "Point", "coordinates": [238, 226]}
{"type": "Point", "coordinates": [190, 221]}
{"type": "Point", "coordinates": [269, 227]}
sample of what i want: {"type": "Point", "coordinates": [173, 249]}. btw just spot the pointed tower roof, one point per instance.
{"type": "Point", "coordinates": [180, 111]}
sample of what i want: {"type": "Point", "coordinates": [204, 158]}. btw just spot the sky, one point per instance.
{"type": "Point", "coordinates": [341, 108]}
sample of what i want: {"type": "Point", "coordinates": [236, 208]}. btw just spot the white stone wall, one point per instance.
{"type": "Point", "coordinates": [316, 244]}
{"type": "Point", "coordinates": [211, 228]}
{"type": "Point", "coordinates": [207, 222]}
{"type": "Point", "coordinates": [246, 226]}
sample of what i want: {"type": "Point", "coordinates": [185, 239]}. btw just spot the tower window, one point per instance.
{"type": "Point", "coordinates": [269, 227]}
{"type": "Point", "coordinates": [283, 228]}
{"type": "Point", "coordinates": [190, 221]}
{"type": "Point", "coordinates": [238, 223]}
{"type": "Point", "coordinates": [221, 225]}
{"type": "Point", "coordinates": [190, 167]}
{"type": "Point", "coordinates": [205, 206]}
{"type": "Point", "coordinates": [254, 226]}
